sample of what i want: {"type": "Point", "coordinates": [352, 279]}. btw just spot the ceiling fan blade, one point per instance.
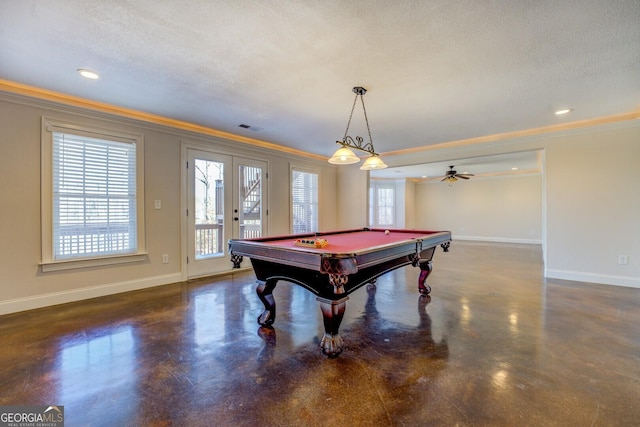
{"type": "Point", "coordinates": [462, 176]}
{"type": "Point", "coordinates": [444, 179]}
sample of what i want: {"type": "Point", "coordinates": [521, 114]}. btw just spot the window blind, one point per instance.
{"type": "Point", "coordinates": [304, 194]}
{"type": "Point", "coordinates": [94, 197]}
{"type": "Point", "coordinates": [386, 198]}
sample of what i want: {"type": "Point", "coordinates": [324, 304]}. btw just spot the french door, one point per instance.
{"type": "Point", "coordinates": [226, 198]}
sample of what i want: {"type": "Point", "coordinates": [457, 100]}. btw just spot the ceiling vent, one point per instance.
{"type": "Point", "coordinates": [253, 128]}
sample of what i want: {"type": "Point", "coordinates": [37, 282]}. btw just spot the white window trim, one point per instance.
{"type": "Point", "coordinates": [384, 184]}
{"type": "Point", "coordinates": [48, 263]}
{"type": "Point", "coordinates": [293, 168]}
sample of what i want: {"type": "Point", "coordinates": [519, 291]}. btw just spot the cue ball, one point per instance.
{"type": "Point", "coordinates": [386, 231]}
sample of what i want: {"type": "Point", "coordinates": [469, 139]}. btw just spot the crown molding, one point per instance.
{"type": "Point", "coordinates": [522, 134]}
{"type": "Point", "coordinates": [74, 101]}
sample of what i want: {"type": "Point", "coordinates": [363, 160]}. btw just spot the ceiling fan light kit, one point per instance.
{"type": "Point", "coordinates": [453, 175]}
{"type": "Point", "coordinates": [345, 155]}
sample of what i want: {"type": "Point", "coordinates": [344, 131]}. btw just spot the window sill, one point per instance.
{"type": "Point", "coordinates": [91, 262]}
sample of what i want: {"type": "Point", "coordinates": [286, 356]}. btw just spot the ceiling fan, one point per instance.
{"type": "Point", "coordinates": [453, 175]}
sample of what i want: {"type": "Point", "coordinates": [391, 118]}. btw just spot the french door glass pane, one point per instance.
{"type": "Point", "coordinates": [209, 208]}
{"type": "Point", "coordinates": [250, 178]}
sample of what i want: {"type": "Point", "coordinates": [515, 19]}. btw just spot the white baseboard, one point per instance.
{"type": "Point", "coordinates": [627, 281]}
{"type": "Point", "coordinates": [54, 298]}
{"type": "Point", "coordinates": [497, 239]}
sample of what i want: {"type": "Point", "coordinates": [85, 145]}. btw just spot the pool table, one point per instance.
{"type": "Point", "coordinates": [348, 260]}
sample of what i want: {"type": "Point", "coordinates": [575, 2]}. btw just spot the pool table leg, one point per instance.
{"type": "Point", "coordinates": [332, 313]}
{"type": "Point", "coordinates": [425, 269]}
{"type": "Point", "coordinates": [265, 293]}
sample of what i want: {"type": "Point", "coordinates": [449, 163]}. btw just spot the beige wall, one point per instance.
{"type": "Point", "coordinates": [412, 213]}
{"type": "Point", "coordinates": [503, 209]}
{"type": "Point", "coordinates": [24, 286]}
{"type": "Point", "coordinates": [593, 206]}
{"type": "Point", "coordinates": [350, 198]}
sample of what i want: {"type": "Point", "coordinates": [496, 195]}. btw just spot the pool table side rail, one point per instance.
{"type": "Point", "coordinates": [392, 251]}
{"type": "Point", "coordinates": [288, 256]}
{"type": "Point", "coordinates": [311, 259]}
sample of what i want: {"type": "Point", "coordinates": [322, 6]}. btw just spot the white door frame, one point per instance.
{"type": "Point", "coordinates": [184, 203]}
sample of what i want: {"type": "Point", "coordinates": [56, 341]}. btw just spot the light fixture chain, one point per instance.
{"type": "Point", "coordinates": [344, 155]}
{"type": "Point", "coordinates": [367, 122]}
{"type": "Point", "coordinates": [350, 116]}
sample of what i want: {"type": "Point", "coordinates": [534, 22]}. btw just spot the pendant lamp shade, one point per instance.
{"type": "Point", "coordinates": [373, 162]}
{"type": "Point", "coordinates": [344, 156]}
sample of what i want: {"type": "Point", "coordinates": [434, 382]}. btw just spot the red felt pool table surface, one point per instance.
{"type": "Point", "coordinates": [353, 241]}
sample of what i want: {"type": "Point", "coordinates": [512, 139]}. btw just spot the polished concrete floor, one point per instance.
{"type": "Point", "coordinates": [496, 345]}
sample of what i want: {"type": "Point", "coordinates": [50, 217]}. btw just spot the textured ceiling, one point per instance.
{"type": "Point", "coordinates": [436, 71]}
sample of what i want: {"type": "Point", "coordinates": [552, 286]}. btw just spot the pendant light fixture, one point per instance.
{"type": "Point", "coordinates": [345, 155]}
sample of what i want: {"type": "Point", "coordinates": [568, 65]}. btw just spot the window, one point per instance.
{"type": "Point", "coordinates": [304, 196]}
{"type": "Point", "coordinates": [382, 205]}
{"type": "Point", "coordinates": [92, 201]}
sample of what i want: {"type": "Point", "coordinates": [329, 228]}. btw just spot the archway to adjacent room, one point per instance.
{"type": "Point", "coordinates": [502, 202]}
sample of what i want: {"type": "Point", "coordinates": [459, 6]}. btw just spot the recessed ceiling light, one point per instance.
{"type": "Point", "coordinates": [514, 169]}
{"type": "Point", "coordinates": [564, 111]}
{"type": "Point", "coordinates": [88, 74]}
{"type": "Point", "coordinates": [424, 176]}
